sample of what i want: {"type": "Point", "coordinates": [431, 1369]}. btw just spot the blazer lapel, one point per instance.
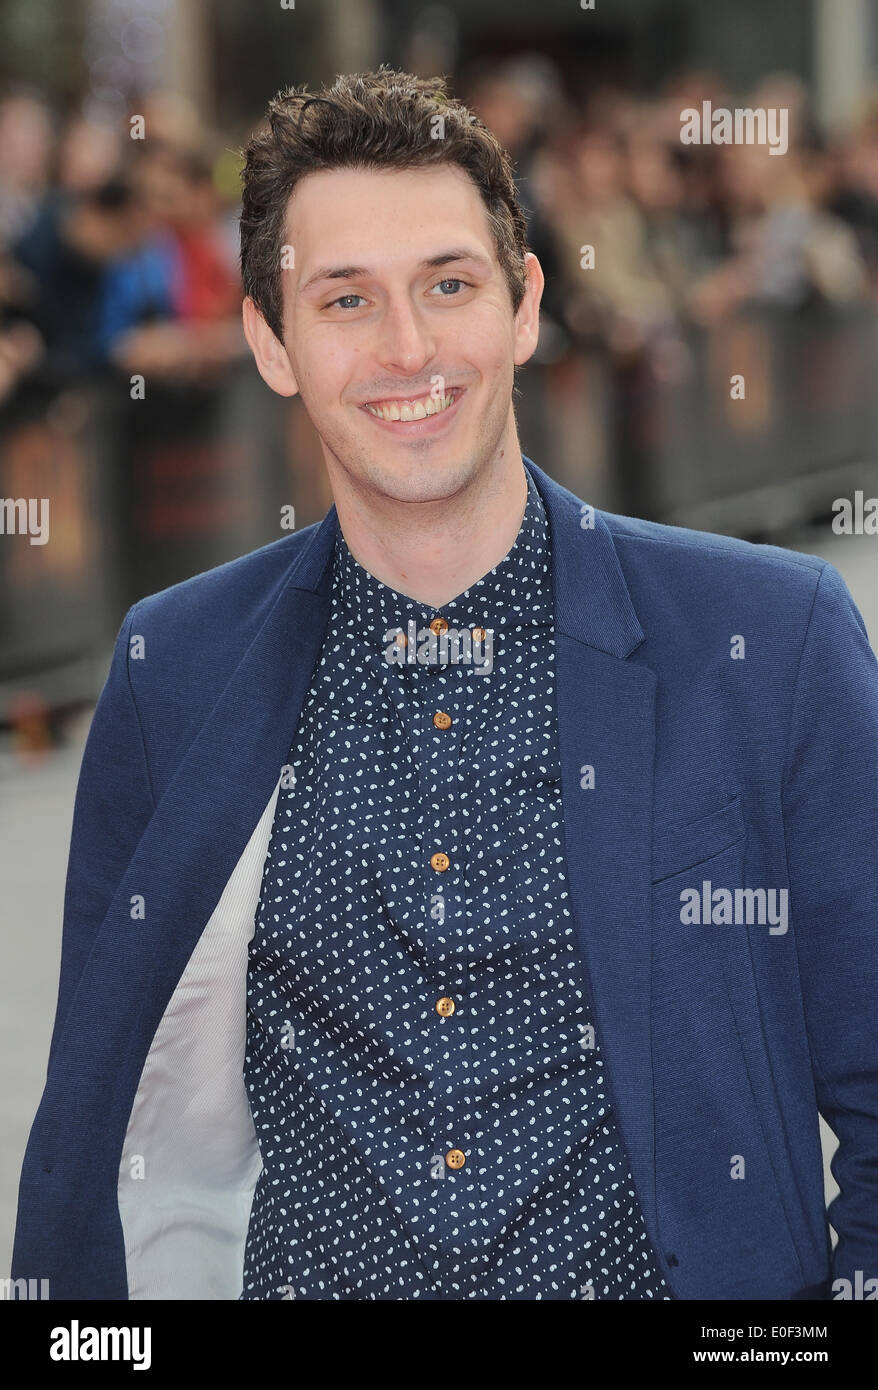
{"type": "Point", "coordinates": [606, 722]}
{"type": "Point", "coordinates": [221, 788]}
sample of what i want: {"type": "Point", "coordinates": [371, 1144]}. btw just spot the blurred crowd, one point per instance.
{"type": "Point", "coordinates": [114, 252]}
{"type": "Point", "coordinates": [682, 233]}
{"type": "Point", "coordinates": [119, 252]}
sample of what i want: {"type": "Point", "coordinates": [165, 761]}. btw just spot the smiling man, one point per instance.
{"type": "Point", "coordinates": [380, 978]}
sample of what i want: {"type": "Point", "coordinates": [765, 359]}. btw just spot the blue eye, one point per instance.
{"type": "Point", "coordinates": [448, 282]}
{"type": "Point", "coordinates": [341, 297]}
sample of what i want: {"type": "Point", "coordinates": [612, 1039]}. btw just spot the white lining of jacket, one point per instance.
{"type": "Point", "coordinates": [191, 1161]}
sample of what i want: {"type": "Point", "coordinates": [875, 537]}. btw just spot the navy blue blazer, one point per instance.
{"type": "Point", "coordinates": [726, 698]}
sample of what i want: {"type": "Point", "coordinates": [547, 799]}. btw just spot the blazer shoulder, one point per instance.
{"type": "Point", "coordinates": [715, 560]}
{"type": "Point", "coordinates": [193, 637]}
{"type": "Point", "coordinates": [231, 589]}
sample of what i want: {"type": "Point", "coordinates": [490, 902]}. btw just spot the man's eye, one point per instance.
{"type": "Point", "coordinates": [448, 282]}
{"type": "Point", "coordinates": [341, 297]}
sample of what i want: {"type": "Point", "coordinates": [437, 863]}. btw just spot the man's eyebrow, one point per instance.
{"type": "Point", "coordinates": [355, 272]}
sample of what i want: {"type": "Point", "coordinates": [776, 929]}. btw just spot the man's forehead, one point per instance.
{"type": "Point", "coordinates": [440, 193]}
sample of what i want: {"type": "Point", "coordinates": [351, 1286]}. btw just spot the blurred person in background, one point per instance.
{"type": "Point", "coordinates": [197, 334]}
{"type": "Point", "coordinates": [74, 252]}
{"type": "Point", "coordinates": [89, 154]}
{"type": "Point", "coordinates": [522, 101]}
{"type": "Point", "coordinates": [853, 194]}
{"type": "Point", "coordinates": [622, 302]}
{"type": "Point", "coordinates": [782, 246]}
{"type": "Point", "coordinates": [27, 138]}
{"type": "Point", "coordinates": [623, 299]}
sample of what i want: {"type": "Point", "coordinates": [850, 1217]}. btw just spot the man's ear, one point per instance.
{"type": "Point", "coordinates": [527, 320]}
{"type": "Point", "coordinates": [270, 354]}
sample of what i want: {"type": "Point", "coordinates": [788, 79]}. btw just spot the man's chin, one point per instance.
{"type": "Point", "coordinates": [425, 481]}
{"type": "Point", "coordinates": [423, 491]}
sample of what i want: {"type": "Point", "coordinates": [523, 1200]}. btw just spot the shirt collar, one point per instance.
{"type": "Point", "coordinates": [517, 592]}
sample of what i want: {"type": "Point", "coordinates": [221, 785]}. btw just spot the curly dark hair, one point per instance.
{"type": "Point", "coordinates": [384, 120]}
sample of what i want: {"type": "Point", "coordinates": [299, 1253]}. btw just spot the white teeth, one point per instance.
{"type": "Point", "coordinates": [419, 411]}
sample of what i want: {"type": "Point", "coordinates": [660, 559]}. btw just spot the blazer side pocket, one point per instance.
{"type": "Point", "coordinates": [676, 848]}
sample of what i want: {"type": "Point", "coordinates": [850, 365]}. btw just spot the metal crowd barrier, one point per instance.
{"type": "Point", "coordinates": [804, 431]}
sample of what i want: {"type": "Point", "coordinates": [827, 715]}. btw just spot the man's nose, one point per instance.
{"type": "Point", "coordinates": [406, 340]}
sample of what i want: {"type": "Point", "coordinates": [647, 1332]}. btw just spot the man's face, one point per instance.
{"type": "Point", "coordinates": [368, 322]}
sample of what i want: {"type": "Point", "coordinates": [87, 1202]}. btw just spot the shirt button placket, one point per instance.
{"type": "Point", "coordinates": [442, 738]}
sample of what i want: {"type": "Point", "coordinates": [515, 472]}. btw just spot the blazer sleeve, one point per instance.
{"type": "Point", "coordinates": [114, 803]}
{"type": "Point", "coordinates": [830, 809]}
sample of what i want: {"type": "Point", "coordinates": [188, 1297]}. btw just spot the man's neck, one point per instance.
{"type": "Point", "coordinates": [435, 552]}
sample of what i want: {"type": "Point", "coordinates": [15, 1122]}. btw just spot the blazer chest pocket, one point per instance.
{"type": "Point", "coordinates": [677, 848]}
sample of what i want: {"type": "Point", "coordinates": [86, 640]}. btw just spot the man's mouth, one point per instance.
{"type": "Point", "coordinates": [413, 407]}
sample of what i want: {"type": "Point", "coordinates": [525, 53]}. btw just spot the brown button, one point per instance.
{"type": "Point", "coordinates": [445, 1006]}
{"type": "Point", "coordinates": [438, 625]}
{"type": "Point", "coordinates": [441, 719]}
{"type": "Point", "coordinates": [479, 634]}
{"type": "Point", "coordinates": [455, 1159]}
{"type": "Point", "coordinates": [401, 640]}
{"type": "Point", "coordinates": [439, 861]}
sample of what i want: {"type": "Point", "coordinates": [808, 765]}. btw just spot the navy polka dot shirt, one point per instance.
{"type": "Point", "coordinates": [422, 1067]}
